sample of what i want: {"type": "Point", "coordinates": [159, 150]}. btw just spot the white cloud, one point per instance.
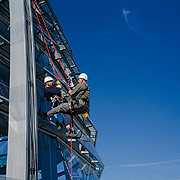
{"type": "Point", "coordinates": [145, 164]}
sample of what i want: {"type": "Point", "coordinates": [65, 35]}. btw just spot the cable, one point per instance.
{"type": "Point", "coordinates": [45, 40]}
{"type": "Point", "coordinates": [1, 91]}
{"type": "Point", "coordinates": [4, 86]}
{"type": "Point", "coordinates": [71, 145]}
{"type": "Point", "coordinates": [51, 38]}
{"type": "Point", "coordinates": [51, 59]}
{"type": "Point", "coordinates": [47, 46]}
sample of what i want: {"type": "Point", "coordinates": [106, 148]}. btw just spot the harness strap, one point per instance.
{"type": "Point", "coordinates": [70, 107]}
{"type": "Point", "coordinates": [83, 101]}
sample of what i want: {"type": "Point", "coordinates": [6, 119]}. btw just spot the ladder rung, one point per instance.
{"type": "Point", "coordinates": [42, 2]}
{"type": "Point", "coordinates": [97, 168]}
{"type": "Point", "coordinates": [84, 152]}
{"type": "Point", "coordinates": [89, 125]}
{"type": "Point", "coordinates": [83, 167]}
{"type": "Point", "coordinates": [2, 43]}
{"type": "Point", "coordinates": [92, 136]}
{"type": "Point", "coordinates": [94, 161]}
{"type": "Point", "coordinates": [73, 66]}
{"type": "Point", "coordinates": [74, 140]}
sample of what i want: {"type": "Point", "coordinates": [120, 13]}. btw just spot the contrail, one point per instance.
{"type": "Point", "coordinates": [135, 25]}
{"type": "Point", "coordinates": [125, 13]}
{"type": "Point", "coordinates": [132, 25]}
{"type": "Point", "coordinates": [144, 164]}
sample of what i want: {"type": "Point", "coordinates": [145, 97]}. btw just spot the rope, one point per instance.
{"type": "Point", "coordinates": [71, 127]}
{"type": "Point", "coordinates": [52, 60]}
{"type": "Point", "coordinates": [71, 145]}
{"type": "Point", "coordinates": [51, 39]}
{"type": "Point", "coordinates": [47, 46]}
{"type": "Point", "coordinates": [4, 86]}
{"type": "Point", "coordinates": [1, 91]}
{"type": "Point", "coordinates": [45, 40]}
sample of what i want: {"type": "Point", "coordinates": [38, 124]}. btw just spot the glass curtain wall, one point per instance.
{"type": "Point", "coordinates": [52, 150]}
{"type": "Point", "coordinates": [4, 84]}
{"type": "Point", "coordinates": [54, 153]}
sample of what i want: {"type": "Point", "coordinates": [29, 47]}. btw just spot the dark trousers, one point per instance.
{"type": "Point", "coordinates": [67, 119]}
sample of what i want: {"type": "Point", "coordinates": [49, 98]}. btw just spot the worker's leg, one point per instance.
{"type": "Point", "coordinates": [80, 108]}
{"type": "Point", "coordinates": [63, 108]}
{"type": "Point", "coordinates": [59, 125]}
{"type": "Point", "coordinates": [67, 122]}
{"type": "Point", "coordinates": [67, 119]}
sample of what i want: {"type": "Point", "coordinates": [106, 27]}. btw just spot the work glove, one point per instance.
{"type": "Point", "coordinates": [71, 84]}
{"type": "Point", "coordinates": [58, 84]}
{"type": "Point", "coordinates": [66, 95]}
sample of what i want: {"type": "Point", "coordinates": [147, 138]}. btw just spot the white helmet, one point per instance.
{"type": "Point", "coordinates": [47, 79]}
{"type": "Point", "coordinates": [83, 76]}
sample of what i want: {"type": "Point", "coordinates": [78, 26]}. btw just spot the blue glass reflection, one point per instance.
{"type": "Point", "coordinates": [50, 163]}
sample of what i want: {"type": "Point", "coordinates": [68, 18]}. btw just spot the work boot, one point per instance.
{"type": "Point", "coordinates": [72, 134]}
{"type": "Point", "coordinates": [59, 125]}
{"type": "Point", "coordinates": [68, 132]}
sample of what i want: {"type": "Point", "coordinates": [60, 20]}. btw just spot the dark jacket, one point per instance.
{"type": "Point", "coordinates": [50, 92]}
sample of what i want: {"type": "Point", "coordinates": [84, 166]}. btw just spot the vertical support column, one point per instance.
{"type": "Point", "coordinates": [22, 131]}
{"type": "Point", "coordinates": [32, 98]}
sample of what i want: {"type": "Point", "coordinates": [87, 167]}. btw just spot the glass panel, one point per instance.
{"type": "Point", "coordinates": [4, 81]}
{"type": "Point", "coordinates": [4, 85]}
{"type": "Point", "coordinates": [4, 20]}
{"type": "Point", "coordinates": [3, 144]}
{"type": "Point", "coordinates": [50, 161]}
{"type": "Point", "coordinates": [48, 146]}
{"type": "Point", "coordinates": [80, 170]}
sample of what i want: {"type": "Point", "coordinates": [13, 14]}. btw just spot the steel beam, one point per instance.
{"type": "Point", "coordinates": [22, 150]}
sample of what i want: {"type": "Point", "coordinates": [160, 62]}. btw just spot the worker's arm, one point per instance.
{"type": "Point", "coordinates": [76, 90]}
{"type": "Point", "coordinates": [54, 91]}
{"type": "Point", "coordinates": [58, 84]}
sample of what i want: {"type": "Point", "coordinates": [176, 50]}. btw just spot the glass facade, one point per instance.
{"type": "Point", "coordinates": [4, 84]}
{"type": "Point", "coordinates": [54, 149]}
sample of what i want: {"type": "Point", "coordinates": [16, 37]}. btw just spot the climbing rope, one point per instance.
{"type": "Point", "coordinates": [1, 91]}
{"type": "Point", "coordinates": [51, 58]}
{"type": "Point", "coordinates": [57, 77]}
{"type": "Point", "coordinates": [4, 86]}
{"type": "Point", "coordinates": [71, 144]}
{"type": "Point", "coordinates": [45, 41]}
{"type": "Point", "coordinates": [51, 39]}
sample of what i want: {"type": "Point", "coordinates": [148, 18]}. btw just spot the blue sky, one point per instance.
{"type": "Point", "coordinates": [130, 51]}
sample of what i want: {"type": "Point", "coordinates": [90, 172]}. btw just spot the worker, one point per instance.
{"type": "Point", "coordinates": [51, 93]}
{"type": "Point", "coordinates": [80, 101]}
{"type": "Point", "coordinates": [54, 95]}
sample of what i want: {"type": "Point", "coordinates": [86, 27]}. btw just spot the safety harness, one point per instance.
{"type": "Point", "coordinates": [79, 99]}
{"type": "Point", "coordinates": [55, 100]}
